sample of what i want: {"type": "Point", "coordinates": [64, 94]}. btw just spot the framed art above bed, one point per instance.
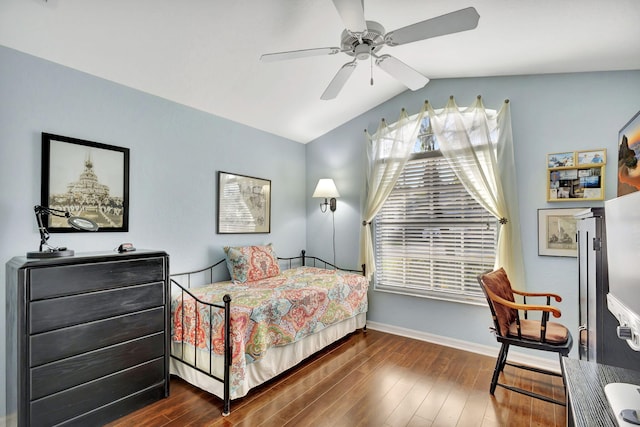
{"type": "Point", "coordinates": [244, 204]}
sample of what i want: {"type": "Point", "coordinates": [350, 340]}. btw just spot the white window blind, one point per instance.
{"type": "Point", "coordinates": [431, 237]}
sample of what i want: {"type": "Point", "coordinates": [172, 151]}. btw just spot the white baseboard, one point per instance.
{"type": "Point", "coordinates": [514, 356]}
{"type": "Point", "coordinates": [10, 420]}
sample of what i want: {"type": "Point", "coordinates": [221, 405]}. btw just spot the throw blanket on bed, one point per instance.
{"type": "Point", "coordinates": [269, 312]}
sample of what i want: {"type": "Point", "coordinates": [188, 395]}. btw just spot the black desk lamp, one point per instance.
{"type": "Point", "coordinates": [76, 222]}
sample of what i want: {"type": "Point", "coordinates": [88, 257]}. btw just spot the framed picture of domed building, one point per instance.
{"type": "Point", "coordinates": [88, 180]}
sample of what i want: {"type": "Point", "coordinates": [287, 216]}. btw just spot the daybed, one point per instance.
{"type": "Point", "coordinates": [230, 336]}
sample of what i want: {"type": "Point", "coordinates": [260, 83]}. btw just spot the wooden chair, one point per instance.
{"type": "Point", "coordinates": [510, 329]}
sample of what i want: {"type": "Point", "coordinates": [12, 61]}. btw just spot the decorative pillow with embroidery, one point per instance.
{"type": "Point", "coordinates": [251, 263]}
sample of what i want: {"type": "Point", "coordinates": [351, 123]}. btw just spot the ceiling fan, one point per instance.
{"type": "Point", "coordinates": [364, 39]}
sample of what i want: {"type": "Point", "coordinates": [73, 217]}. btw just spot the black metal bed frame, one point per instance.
{"type": "Point", "coordinates": [225, 305]}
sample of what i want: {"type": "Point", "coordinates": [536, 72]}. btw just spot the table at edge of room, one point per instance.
{"type": "Point", "coordinates": [587, 403]}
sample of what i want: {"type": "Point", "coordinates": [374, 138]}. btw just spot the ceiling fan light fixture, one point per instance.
{"type": "Point", "coordinates": [372, 39]}
{"type": "Point", "coordinates": [363, 51]}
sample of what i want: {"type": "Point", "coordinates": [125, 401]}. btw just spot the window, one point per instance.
{"type": "Point", "coordinates": [431, 237]}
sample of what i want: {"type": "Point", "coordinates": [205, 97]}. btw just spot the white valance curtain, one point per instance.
{"type": "Point", "coordinates": [478, 145]}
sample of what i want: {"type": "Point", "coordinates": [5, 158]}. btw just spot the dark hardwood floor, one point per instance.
{"type": "Point", "coordinates": [370, 379]}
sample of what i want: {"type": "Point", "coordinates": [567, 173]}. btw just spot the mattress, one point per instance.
{"type": "Point", "coordinates": [275, 323]}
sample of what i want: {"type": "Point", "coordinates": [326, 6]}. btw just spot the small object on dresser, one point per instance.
{"type": "Point", "coordinates": [126, 247]}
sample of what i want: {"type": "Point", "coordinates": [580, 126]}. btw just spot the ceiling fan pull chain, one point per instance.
{"type": "Point", "coordinates": [371, 62]}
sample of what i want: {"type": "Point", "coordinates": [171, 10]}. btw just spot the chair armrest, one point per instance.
{"type": "Point", "coordinates": [557, 297]}
{"type": "Point", "coordinates": [526, 307]}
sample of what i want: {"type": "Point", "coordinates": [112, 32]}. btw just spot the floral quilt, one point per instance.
{"type": "Point", "coordinates": [270, 312]}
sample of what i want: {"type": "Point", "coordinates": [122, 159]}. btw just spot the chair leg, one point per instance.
{"type": "Point", "coordinates": [502, 358]}
{"type": "Point", "coordinates": [502, 361]}
{"type": "Point", "coordinates": [564, 385]}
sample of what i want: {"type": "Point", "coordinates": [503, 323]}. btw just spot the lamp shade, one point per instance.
{"type": "Point", "coordinates": [326, 188]}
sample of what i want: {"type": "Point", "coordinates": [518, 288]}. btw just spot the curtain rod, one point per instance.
{"type": "Point", "coordinates": [426, 102]}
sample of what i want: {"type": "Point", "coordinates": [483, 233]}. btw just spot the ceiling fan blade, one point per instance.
{"type": "Point", "coordinates": [339, 80]}
{"type": "Point", "coordinates": [294, 54]}
{"type": "Point", "coordinates": [454, 22]}
{"type": "Point", "coordinates": [352, 14]}
{"type": "Point", "coordinates": [401, 72]}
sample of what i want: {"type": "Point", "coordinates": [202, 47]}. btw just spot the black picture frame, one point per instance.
{"type": "Point", "coordinates": [244, 204]}
{"type": "Point", "coordinates": [88, 179]}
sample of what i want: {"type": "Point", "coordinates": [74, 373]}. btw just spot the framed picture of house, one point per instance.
{"type": "Point", "coordinates": [557, 232]}
{"type": "Point", "coordinates": [87, 179]}
{"type": "Point", "coordinates": [628, 156]}
{"type": "Point", "coordinates": [244, 204]}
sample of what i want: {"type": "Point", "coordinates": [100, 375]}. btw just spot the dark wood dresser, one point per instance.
{"type": "Point", "coordinates": [87, 336]}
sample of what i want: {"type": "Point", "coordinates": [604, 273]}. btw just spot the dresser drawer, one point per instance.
{"type": "Point", "coordinates": [66, 342]}
{"type": "Point", "coordinates": [78, 278]}
{"type": "Point", "coordinates": [75, 401]}
{"type": "Point", "coordinates": [70, 372]}
{"type": "Point", "coordinates": [118, 408]}
{"type": "Point", "coordinates": [60, 312]}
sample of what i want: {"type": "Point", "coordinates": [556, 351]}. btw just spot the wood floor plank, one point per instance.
{"type": "Point", "coordinates": [543, 413]}
{"type": "Point", "coordinates": [560, 413]}
{"type": "Point", "coordinates": [416, 421]}
{"type": "Point", "coordinates": [315, 390]}
{"type": "Point", "coordinates": [286, 389]}
{"type": "Point", "coordinates": [338, 407]}
{"type": "Point", "coordinates": [475, 409]}
{"type": "Point", "coordinates": [289, 393]}
{"type": "Point", "coordinates": [406, 409]}
{"type": "Point", "coordinates": [519, 404]}
{"type": "Point", "coordinates": [449, 368]}
{"type": "Point", "coordinates": [367, 390]}
{"type": "Point", "coordinates": [370, 379]}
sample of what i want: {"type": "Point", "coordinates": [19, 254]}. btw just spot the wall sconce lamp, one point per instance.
{"type": "Point", "coordinates": [326, 189]}
{"type": "Point", "coordinates": [75, 222]}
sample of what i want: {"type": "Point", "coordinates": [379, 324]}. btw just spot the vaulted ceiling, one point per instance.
{"type": "Point", "coordinates": [205, 53]}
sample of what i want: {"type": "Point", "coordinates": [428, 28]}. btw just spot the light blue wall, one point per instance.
{"type": "Point", "coordinates": [175, 154]}
{"type": "Point", "coordinates": [550, 113]}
